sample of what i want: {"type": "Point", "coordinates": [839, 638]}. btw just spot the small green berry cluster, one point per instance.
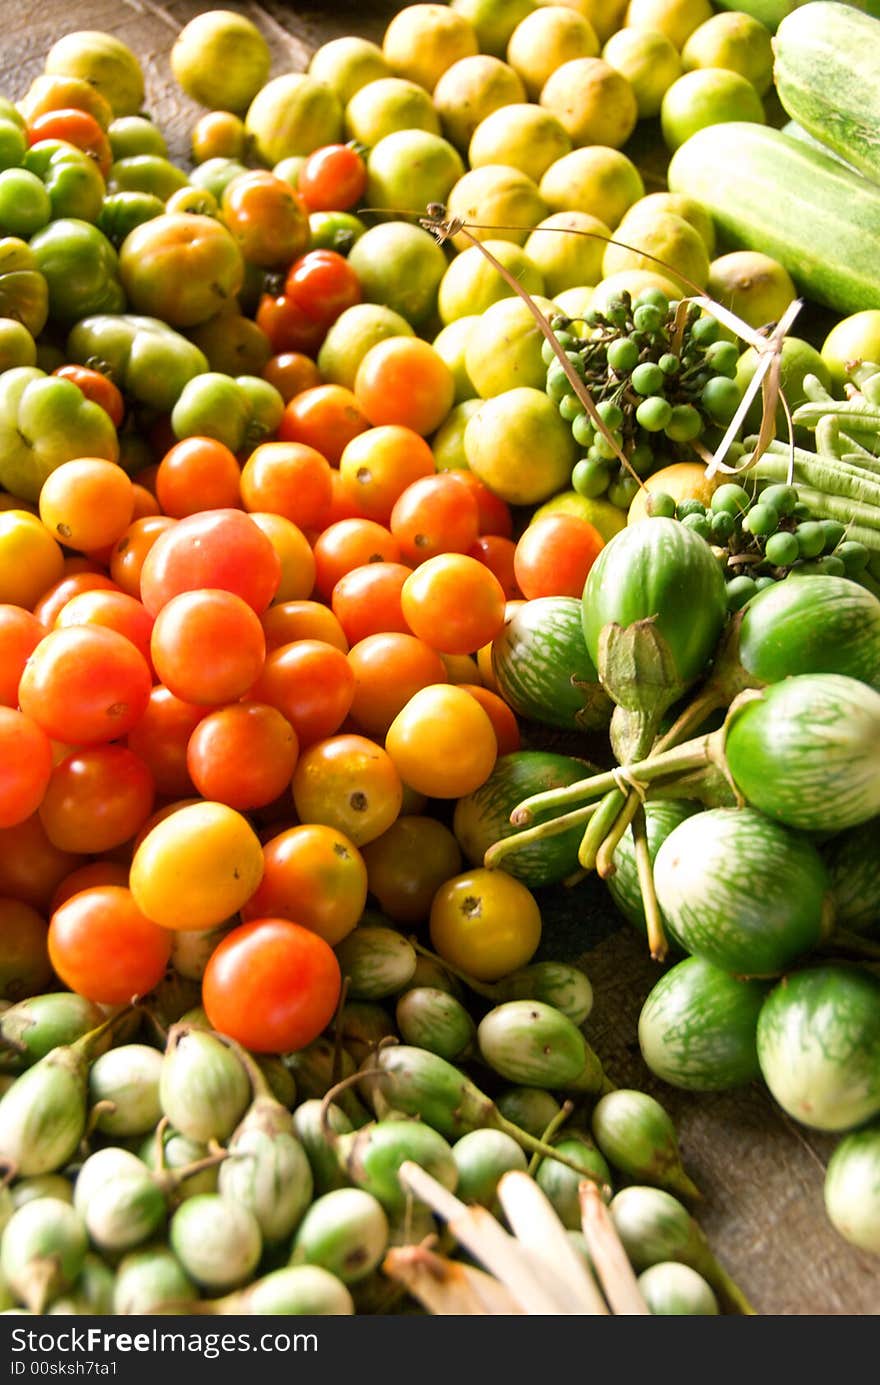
{"type": "Point", "coordinates": [763, 536]}
{"type": "Point", "coordinates": [659, 381]}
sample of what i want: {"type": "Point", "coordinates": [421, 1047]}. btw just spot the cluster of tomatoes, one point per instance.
{"type": "Point", "coordinates": [234, 688]}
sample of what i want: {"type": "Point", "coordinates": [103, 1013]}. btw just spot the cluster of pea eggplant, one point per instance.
{"type": "Point", "coordinates": [154, 1166]}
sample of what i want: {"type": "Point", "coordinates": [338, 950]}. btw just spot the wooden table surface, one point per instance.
{"type": "Point", "coordinates": [761, 1175]}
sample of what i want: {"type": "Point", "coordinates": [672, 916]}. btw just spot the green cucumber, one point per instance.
{"type": "Point", "coordinates": [768, 192]}
{"type": "Point", "coordinates": [819, 1046]}
{"type": "Point", "coordinates": [698, 1027]}
{"type": "Point", "coordinates": [742, 892]}
{"type": "Point", "coordinates": [827, 76]}
{"type": "Point", "coordinates": [796, 131]}
{"type": "Point", "coordinates": [483, 817]}
{"type": "Point", "coordinates": [543, 670]}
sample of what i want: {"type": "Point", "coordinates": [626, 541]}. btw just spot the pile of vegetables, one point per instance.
{"type": "Point", "coordinates": [156, 1166]}
{"type": "Point", "coordinates": [396, 427]}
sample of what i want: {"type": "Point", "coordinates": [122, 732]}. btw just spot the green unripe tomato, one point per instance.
{"type": "Point", "coordinates": [24, 203]}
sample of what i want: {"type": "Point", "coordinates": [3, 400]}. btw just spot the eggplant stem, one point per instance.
{"type": "Point", "coordinates": [599, 826]}
{"type": "Point", "coordinates": [657, 941]}
{"type": "Point", "coordinates": [549, 1131]}
{"type": "Point", "coordinates": [605, 866]}
{"type": "Point", "coordinates": [508, 845]}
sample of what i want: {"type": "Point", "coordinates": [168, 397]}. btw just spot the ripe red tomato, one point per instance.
{"type": "Point", "coordinates": [322, 284]}
{"type": "Point", "coordinates": [215, 548]}
{"type": "Point", "coordinates": [96, 799]}
{"type": "Point", "coordinates": [242, 755]}
{"type": "Point", "coordinates": [271, 985]}
{"type": "Point", "coordinates": [332, 179]}
{"type": "Point", "coordinates": [104, 948]}
{"type": "Point", "coordinates": [554, 556]}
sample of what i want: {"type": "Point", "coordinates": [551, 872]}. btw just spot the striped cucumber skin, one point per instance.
{"type": "Point", "coordinates": [827, 74]}
{"type": "Point", "coordinates": [623, 886]}
{"type": "Point", "coordinates": [853, 859]}
{"type": "Point", "coordinates": [830, 625]}
{"type": "Point", "coordinates": [698, 1028]}
{"type": "Point", "coordinates": [483, 817]}
{"type": "Point", "coordinates": [807, 752]}
{"type": "Point", "coordinates": [819, 1046]}
{"type": "Point", "coordinates": [539, 658]}
{"type": "Point", "coordinates": [768, 192]}
{"type": "Point", "coordinates": [771, 13]}
{"type": "Point", "coordinates": [741, 891]}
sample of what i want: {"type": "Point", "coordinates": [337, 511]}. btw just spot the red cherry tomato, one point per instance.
{"type": "Point", "coordinates": [104, 948]}
{"type": "Point", "coordinates": [332, 179]}
{"type": "Point", "coordinates": [272, 985]}
{"type": "Point", "coordinates": [322, 284]}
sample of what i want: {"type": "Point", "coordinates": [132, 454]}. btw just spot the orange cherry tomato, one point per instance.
{"type": "Point", "coordinates": [366, 600]}
{"type": "Point", "coordinates": [442, 742]}
{"type": "Point", "coordinates": [84, 877]}
{"type": "Point", "coordinates": [295, 555]}
{"type": "Point", "coordinates": [350, 783]}
{"type": "Point", "coordinates": [161, 738]}
{"type": "Point", "coordinates": [31, 868]}
{"type": "Point", "coordinates": [311, 684]}
{"type": "Point", "coordinates": [20, 633]}
{"type": "Point", "coordinates": [208, 646]}
{"type": "Point", "coordinates": [347, 544]}
{"type": "Point", "coordinates": [404, 381]}
{"type": "Point", "coordinates": [291, 372]}
{"type": "Point", "coordinates": [485, 922]}
{"type": "Point", "coordinates": [131, 548]}
{"type": "Point", "coordinates": [454, 603]}
{"type": "Point", "coordinates": [388, 669]}
{"type": "Point", "coordinates": [554, 555]}
{"type": "Point", "coordinates": [87, 503]}
{"type": "Point", "coordinates": [266, 217]}
{"type": "Point", "coordinates": [196, 866]}
{"type": "Point", "coordinates": [502, 717]}
{"type": "Point", "coordinates": [495, 514]}
{"type": "Point", "coordinates": [242, 755]}
{"type": "Point", "coordinates": [26, 757]}
{"type": "Point", "coordinates": [301, 620]}
{"type": "Point", "coordinates": [198, 474]}
{"type": "Point", "coordinates": [76, 127]}
{"type": "Point", "coordinates": [377, 466]}
{"type": "Point", "coordinates": [497, 554]}
{"type": "Point", "coordinates": [31, 561]}
{"type": "Point", "coordinates": [434, 515]}
{"type": "Point", "coordinates": [325, 417]}
{"type": "Point", "coordinates": [96, 799]}
{"type": "Point", "coordinates": [85, 684]}
{"type": "Point", "coordinates": [114, 609]}
{"type": "Point", "coordinates": [315, 876]}
{"type": "Point", "coordinates": [342, 505]}
{"type": "Point", "coordinates": [408, 864]}
{"type": "Point", "coordinates": [287, 327]}
{"type": "Point", "coordinates": [271, 985]}
{"type": "Point", "coordinates": [97, 387]}
{"type": "Point", "coordinates": [218, 135]}
{"type": "Point", "coordinates": [290, 479]}
{"type": "Point", "coordinates": [104, 948]}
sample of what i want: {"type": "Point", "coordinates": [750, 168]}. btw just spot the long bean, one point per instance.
{"type": "Point", "coordinates": [837, 480]}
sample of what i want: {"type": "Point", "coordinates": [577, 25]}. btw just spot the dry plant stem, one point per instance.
{"type": "Point", "coordinates": [439, 225]}
{"type": "Point", "coordinates": [658, 945]}
{"type": "Point", "coordinates": [447, 1288]}
{"type": "Point", "coordinates": [550, 1130]}
{"type": "Point", "coordinates": [533, 1221]}
{"type": "Point", "coordinates": [486, 1239]}
{"type": "Point", "coordinates": [615, 1272]}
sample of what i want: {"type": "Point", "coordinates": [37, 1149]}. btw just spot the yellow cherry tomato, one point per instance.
{"type": "Point", "coordinates": [486, 923]}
